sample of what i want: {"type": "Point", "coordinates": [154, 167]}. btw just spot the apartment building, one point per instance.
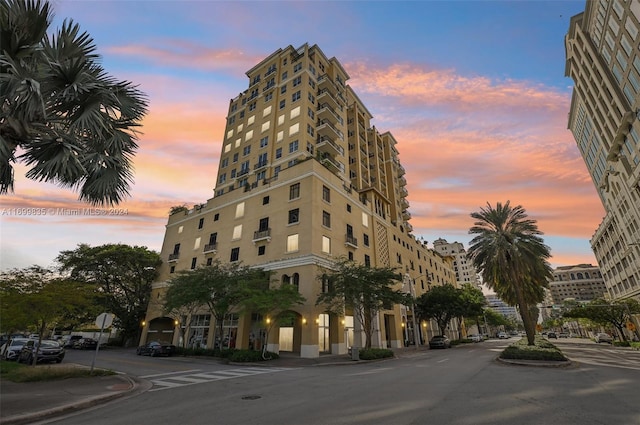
{"type": "Point", "coordinates": [603, 60]}
{"type": "Point", "coordinates": [580, 282]}
{"type": "Point", "coordinates": [462, 266]}
{"type": "Point", "coordinates": [304, 178]}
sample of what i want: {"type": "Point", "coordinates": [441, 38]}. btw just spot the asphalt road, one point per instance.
{"type": "Point", "coordinates": [459, 386]}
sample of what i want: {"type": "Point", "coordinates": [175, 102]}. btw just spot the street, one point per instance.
{"type": "Point", "coordinates": [463, 385]}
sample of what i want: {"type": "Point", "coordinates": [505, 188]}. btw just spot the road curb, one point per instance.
{"type": "Point", "coordinates": [536, 363]}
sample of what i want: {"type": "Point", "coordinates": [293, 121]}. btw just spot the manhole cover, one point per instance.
{"type": "Point", "coordinates": [251, 397]}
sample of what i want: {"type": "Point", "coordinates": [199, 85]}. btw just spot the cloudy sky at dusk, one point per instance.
{"type": "Point", "coordinates": [474, 93]}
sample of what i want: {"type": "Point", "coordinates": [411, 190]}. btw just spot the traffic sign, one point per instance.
{"type": "Point", "coordinates": [104, 320]}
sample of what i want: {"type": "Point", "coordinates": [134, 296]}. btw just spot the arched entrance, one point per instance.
{"type": "Point", "coordinates": [161, 329]}
{"type": "Point", "coordinates": [290, 331]}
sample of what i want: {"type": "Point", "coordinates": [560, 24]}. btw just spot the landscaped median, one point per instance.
{"type": "Point", "coordinates": [542, 351]}
{"type": "Point", "coordinates": [17, 372]}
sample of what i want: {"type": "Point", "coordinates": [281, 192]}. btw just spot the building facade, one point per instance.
{"type": "Point", "coordinates": [304, 178]}
{"type": "Point", "coordinates": [581, 283]}
{"type": "Point", "coordinates": [462, 266]}
{"type": "Point", "coordinates": [495, 303]}
{"type": "Point", "coordinates": [603, 60]}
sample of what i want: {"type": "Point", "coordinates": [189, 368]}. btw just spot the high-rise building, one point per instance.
{"type": "Point", "coordinates": [581, 283]}
{"type": "Point", "coordinates": [304, 178]}
{"type": "Point", "coordinates": [462, 266]}
{"type": "Point", "coordinates": [603, 59]}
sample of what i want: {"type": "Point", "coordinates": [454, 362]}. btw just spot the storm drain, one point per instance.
{"type": "Point", "coordinates": [251, 397]}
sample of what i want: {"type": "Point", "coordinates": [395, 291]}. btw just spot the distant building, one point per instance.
{"type": "Point", "coordinates": [495, 303]}
{"type": "Point", "coordinates": [463, 266]}
{"type": "Point", "coordinates": [581, 282]}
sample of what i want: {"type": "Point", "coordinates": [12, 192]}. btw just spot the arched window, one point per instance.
{"type": "Point", "coordinates": [296, 281]}
{"type": "Point", "coordinates": [580, 276]}
{"type": "Point", "coordinates": [286, 279]}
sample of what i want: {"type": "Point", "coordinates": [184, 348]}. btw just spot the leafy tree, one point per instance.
{"type": "Point", "coordinates": [441, 303]}
{"type": "Point", "coordinates": [219, 287]}
{"type": "Point", "coordinates": [472, 302]}
{"type": "Point", "coordinates": [122, 273]}
{"type": "Point", "coordinates": [512, 258]}
{"type": "Point", "coordinates": [365, 290]}
{"type": "Point", "coordinates": [36, 298]}
{"type": "Point", "coordinates": [74, 124]}
{"type": "Point", "coordinates": [616, 313]}
{"type": "Point", "coordinates": [493, 318]}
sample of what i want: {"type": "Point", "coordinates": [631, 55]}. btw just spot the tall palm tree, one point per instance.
{"type": "Point", "coordinates": [61, 114]}
{"type": "Point", "coordinates": [512, 258]}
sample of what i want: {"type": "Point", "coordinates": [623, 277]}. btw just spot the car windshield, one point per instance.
{"type": "Point", "coordinates": [50, 344]}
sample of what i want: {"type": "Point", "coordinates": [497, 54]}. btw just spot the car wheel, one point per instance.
{"type": "Point", "coordinates": [153, 353]}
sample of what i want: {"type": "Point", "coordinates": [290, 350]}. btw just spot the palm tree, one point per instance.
{"type": "Point", "coordinates": [61, 114]}
{"type": "Point", "coordinates": [512, 258]}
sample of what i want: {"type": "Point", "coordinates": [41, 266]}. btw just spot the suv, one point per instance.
{"type": "Point", "coordinates": [603, 337]}
{"type": "Point", "coordinates": [11, 349]}
{"type": "Point", "coordinates": [47, 351]}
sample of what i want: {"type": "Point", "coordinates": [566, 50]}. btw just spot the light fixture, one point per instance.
{"type": "Point", "coordinates": [175, 322]}
{"type": "Point", "coordinates": [304, 321]}
{"type": "Point", "coordinates": [144, 323]}
{"type": "Point", "coordinates": [342, 321]}
{"type": "Point", "coordinates": [317, 320]}
{"type": "Point", "coordinates": [268, 320]}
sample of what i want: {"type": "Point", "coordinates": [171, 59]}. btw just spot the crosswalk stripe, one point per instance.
{"type": "Point", "coordinates": [167, 382]}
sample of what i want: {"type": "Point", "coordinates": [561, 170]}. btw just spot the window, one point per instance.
{"type": "Point", "coordinates": [252, 106]}
{"type": "Point", "coordinates": [235, 157]}
{"type": "Point", "coordinates": [295, 112]}
{"type": "Point", "coordinates": [310, 130]}
{"type": "Point", "coordinates": [172, 269]}
{"type": "Point", "coordinates": [240, 210]}
{"type": "Point", "coordinates": [200, 223]}
{"type": "Point", "coordinates": [262, 249]}
{"type": "Point", "coordinates": [295, 96]}
{"type": "Point", "coordinates": [237, 232]}
{"type": "Point", "coordinates": [292, 243]}
{"type": "Point", "coordinates": [235, 254]}
{"type": "Point", "coordinates": [209, 261]}
{"type": "Point", "coordinates": [268, 96]}
{"type": "Point", "coordinates": [326, 219]}
{"type": "Point", "coordinates": [367, 260]}
{"type": "Point", "coordinates": [265, 126]}
{"type": "Point", "coordinates": [365, 239]}
{"type": "Point", "coordinates": [297, 67]}
{"type": "Point", "coordinates": [262, 160]}
{"type": "Point", "coordinates": [176, 249]}
{"type": "Point", "coordinates": [326, 193]}
{"type": "Point", "coordinates": [365, 219]}
{"type": "Point", "coordinates": [294, 191]}
{"type": "Point", "coordinates": [278, 153]}
{"type": "Point", "coordinates": [246, 150]}
{"type": "Point", "coordinates": [348, 208]}
{"type": "Point", "coordinates": [223, 178]}
{"type": "Point", "coordinates": [193, 263]}
{"type": "Point", "coordinates": [265, 200]}
{"type": "Point", "coordinates": [244, 168]}
{"type": "Point", "coordinates": [216, 217]}
{"type": "Point", "coordinates": [283, 89]}
{"type": "Point", "coordinates": [294, 128]}
{"type": "Point", "coordinates": [282, 104]}
{"type": "Point", "coordinates": [264, 141]}
{"type": "Point", "coordinates": [294, 216]}
{"type": "Point", "coordinates": [350, 256]}
{"type": "Point", "coordinates": [326, 245]}
{"type": "Point", "coordinates": [297, 80]}
{"type": "Point", "coordinates": [224, 162]}
{"type": "Point", "coordinates": [293, 146]}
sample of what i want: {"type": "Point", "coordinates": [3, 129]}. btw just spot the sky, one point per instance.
{"type": "Point", "coordinates": [474, 92]}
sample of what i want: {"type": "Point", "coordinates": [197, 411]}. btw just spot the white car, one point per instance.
{"type": "Point", "coordinates": [603, 337]}
{"type": "Point", "coordinates": [503, 335]}
{"type": "Point", "coordinates": [476, 338]}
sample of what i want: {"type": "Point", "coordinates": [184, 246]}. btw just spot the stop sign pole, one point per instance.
{"type": "Point", "coordinates": [104, 320]}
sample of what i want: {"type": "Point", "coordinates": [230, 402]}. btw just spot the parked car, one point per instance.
{"type": "Point", "coordinates": [503, 335]}
{"type": "Point", "coordinates": [155, 348]}
{"type": "Point", "coordinates": [10, 350]}
{"type": "Point", "coordinates": [563, 335]}
{"type": "Point", "coordinates": [552, 335]}
{"type": "Point", "coordinates": [603, 337]}
{"type": "Point", "coordinates": [69, 340]}
{"type": "Point", "coordinates": [440, 341]}
{"type": "Point", "coordinates": [476, 338]}
{"type": "Point", "coordinates": [85, 344]}
{"type": "Point", "coordinates": [47, 351]}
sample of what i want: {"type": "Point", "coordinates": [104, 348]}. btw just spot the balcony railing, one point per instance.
{"type": "Point", "coordinates": [210, 247]}
{"type": "Point", "coordinates": [174, 256]}
{"type": "Point", "coordinates": [261, 235]}
{"type": "Point", "coordinates": [351, 240]}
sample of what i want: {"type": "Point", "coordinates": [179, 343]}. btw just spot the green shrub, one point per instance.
{"type": "Point", "coordinates": [241, 356]}
{"type": "Point", "coordinates": [16, 372]}
{"type": "Point", "coordinates": [622, 343]}
{"type": "Point", "coordinates": [542, 350]}
{"type": "Point", "coordinates": [375, 353]}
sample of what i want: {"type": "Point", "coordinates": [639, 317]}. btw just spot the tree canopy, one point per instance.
{"type": "Point", "coordinates": [512, 258]}
{"type": "Point", "coordinates": [441, 303]}
{"type": "Point", "coordinates": [122, 273]}
{"type": "Point", "coordinates": [362, 289]}
{"type": "Point", "coordinates": [605, 312]}
{"type": "Point", "coordinates": [74, 123]}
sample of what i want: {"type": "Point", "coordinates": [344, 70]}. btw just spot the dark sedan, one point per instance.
{"type": "Point", "coordinates": [440, 341]}
{"type": "Point", "coordinates": [154, 348]}
{"type": "Point", "coordinates": [85, 344]}
{"type": "Point", "coordinates": [48, 351]}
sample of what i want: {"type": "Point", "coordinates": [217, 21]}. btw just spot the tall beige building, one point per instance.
{"type": "Point", "coordinates": [462, 266]}
{"type": "Point", "coordinates": [304, 178]}
{"type": "Point", "coordinates": [603, 59]}
{"type": "Point", "coordinates": [580, 282]}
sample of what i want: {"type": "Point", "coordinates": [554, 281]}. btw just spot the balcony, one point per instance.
{"type": "Point", "coordinates": [210, 247]}
{"type": "Point", "coordinates": [328, 145]}
{"type": "Point", "coordinates": [331, 164]}
{"type": "Point", "coordinates": [325, 96]}
{"type": "Point", "coordinates": [326, 129]}
{"type": "Point", "coordinates": [325, 82]}
{"type": "Point", "coordinates": [326, 112]}
{"type": "Point", "coordinates": [401, 171]}
{"type": "Point", "coordinates": [406, 215]}
{"type": "Point", "coordinates": [351, 241]}
{"type": "Point", "coordinates": [260, 165]}
{"type": "Point", "coordinates": [174, 257]}
{"type": "Point", "coordinates": [261, 235]}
